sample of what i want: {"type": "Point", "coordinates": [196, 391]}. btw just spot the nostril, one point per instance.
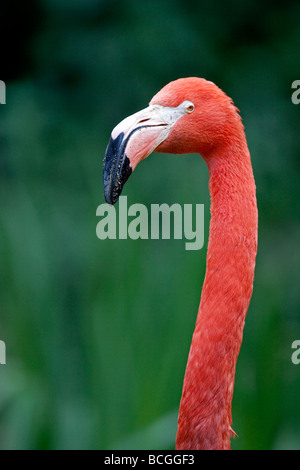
{"type": "Point", "coordinates": [144, 120]}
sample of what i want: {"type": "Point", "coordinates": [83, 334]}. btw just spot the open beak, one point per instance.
{"type": "Point", "coordinates": [134, 139]}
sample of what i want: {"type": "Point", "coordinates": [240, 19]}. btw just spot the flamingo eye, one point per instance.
{"type": "Point", "coordinates": [190, 107]}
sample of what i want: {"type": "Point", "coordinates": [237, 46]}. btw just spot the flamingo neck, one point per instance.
{"type": "Point", "coordinates": [205, 410]}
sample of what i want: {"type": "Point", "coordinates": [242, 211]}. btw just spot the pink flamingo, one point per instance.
{"type": "Point", "coordinates": [194, 115]}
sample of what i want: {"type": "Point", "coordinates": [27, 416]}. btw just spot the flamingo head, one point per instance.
{"type": "Point", "coordinates": [188, 115]}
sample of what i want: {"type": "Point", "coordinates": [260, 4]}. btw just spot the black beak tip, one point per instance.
{"type": "Point", "coordinates": [109, 183]}
{"type": "Point", "coordinates": [108, 198]}
{"type": "Point", "coordinates": [116, 169]}
{"type": "Point", "coordinates": [109, 195]}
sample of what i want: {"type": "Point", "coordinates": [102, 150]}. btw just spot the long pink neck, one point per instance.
{"type": "Point", "coordinates": [205, 410]}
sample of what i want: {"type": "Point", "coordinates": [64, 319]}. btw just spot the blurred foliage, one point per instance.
{"type": "Point", "coordinates": [98, 332]}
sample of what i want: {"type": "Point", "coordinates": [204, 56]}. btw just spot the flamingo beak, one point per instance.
{"type": "Point", "coordinates": [134, 139]}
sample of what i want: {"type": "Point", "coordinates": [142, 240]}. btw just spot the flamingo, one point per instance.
{"type": "Point", "coordinates": [193, 115]}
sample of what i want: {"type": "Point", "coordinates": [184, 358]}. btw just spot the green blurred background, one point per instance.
{"type": "Point", "coordinates": [98, 332]}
